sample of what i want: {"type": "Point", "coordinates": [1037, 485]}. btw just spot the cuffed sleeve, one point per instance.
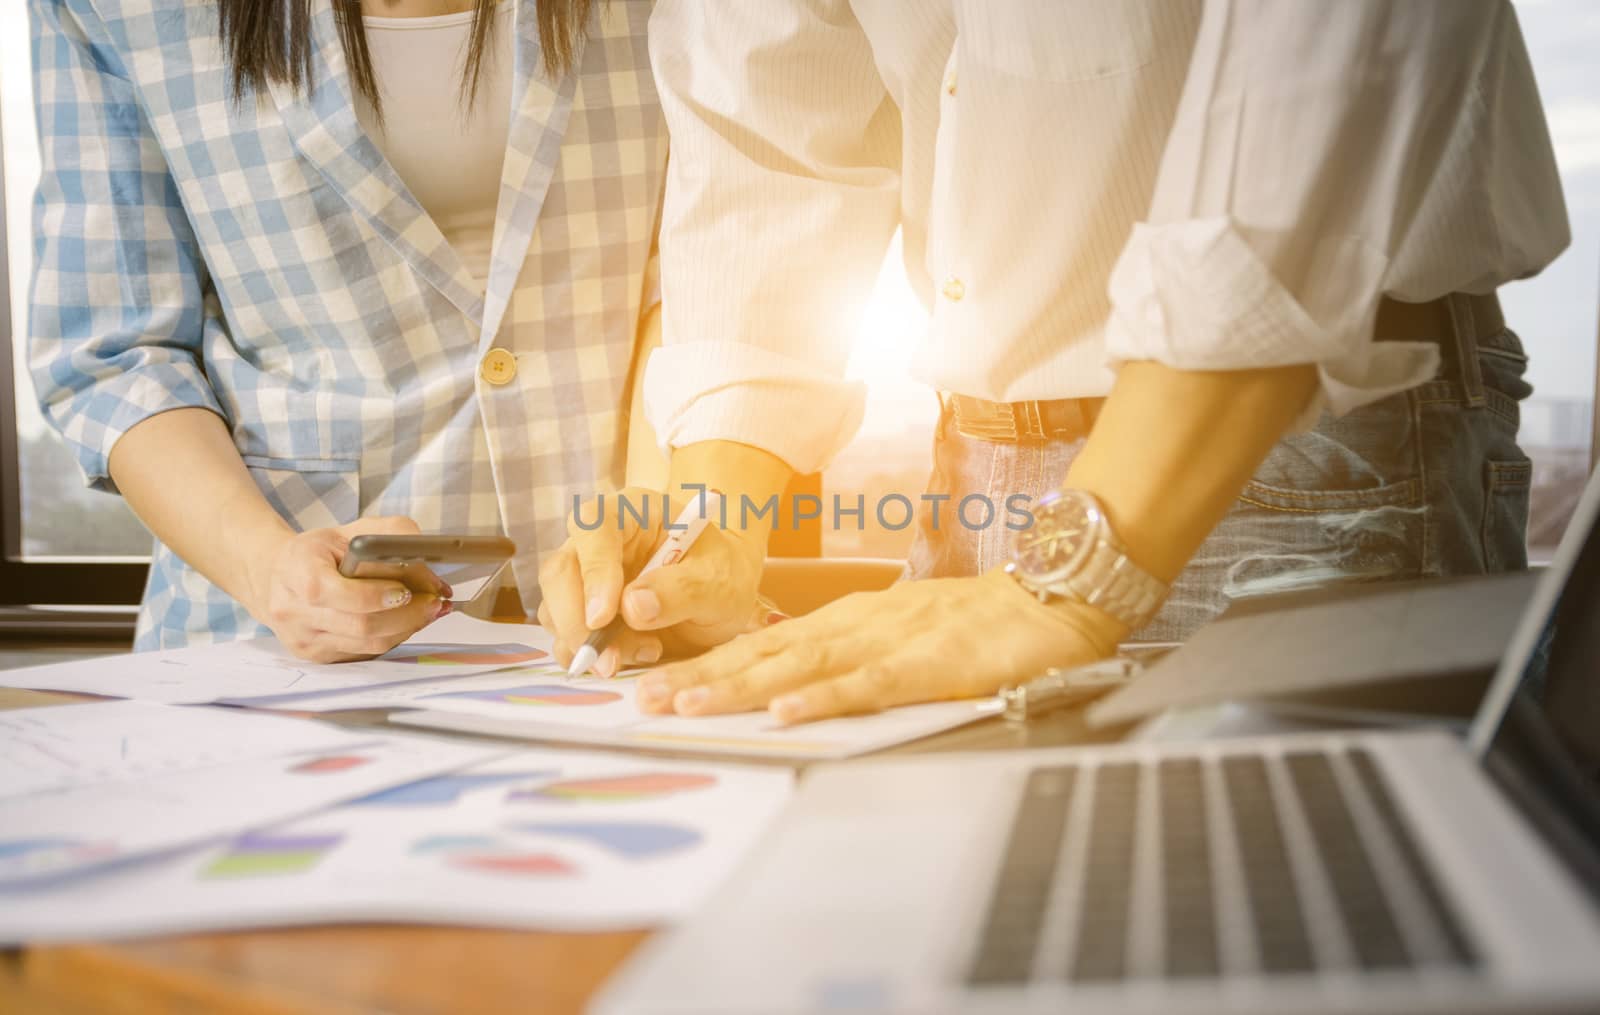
{"type": "Point", "coordinates": [782, 192]}
{"type": "Point", "coordinates": [119, 307]}
{"type": "Point", "coordinates": [1308, 174]}
{"type": "Point", "coordinates": [748, 394]}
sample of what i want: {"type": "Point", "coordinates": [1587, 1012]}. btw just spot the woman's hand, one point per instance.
{"type": "Point", "coordinates": [916, 641]}
{"type": "Point", "coordinates": [703, 600]}
{"type": "Point", "coordinates": [320, 615]}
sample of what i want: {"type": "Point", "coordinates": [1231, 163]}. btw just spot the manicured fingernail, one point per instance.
{"type": "Point", "coordinates": [691, 700]}
{"type": "Point", "coordinates": [445, 591]}
{"type": "Point", "coordinates": [649, 652]}
{"type": "Point", "coordinates": [775, 616]}
{"type": "Point", "coordinates": [606, 666]}
{"type": "Point", "coordinates": [439, 609]}
{"type": "Point", "coordinates": [654, 692]}
{"type": "Point", "coordinates": [788, 708]}
{"type": "Point", "coordinates": [396, 597]}
{"type": "Point", "coordinates": [594, 611]}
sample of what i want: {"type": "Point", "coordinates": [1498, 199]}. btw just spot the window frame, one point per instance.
{"type": "Point", "coordinates": [58, 583]}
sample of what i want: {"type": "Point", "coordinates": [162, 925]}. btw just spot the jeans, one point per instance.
{"type": "Point", "coordinates": [1425, 483]}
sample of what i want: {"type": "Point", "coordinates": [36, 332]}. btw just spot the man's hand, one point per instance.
{"type": "Point", "coordinates": [320, 615]}
{"type": "Point", "coordinates": [916, 641]}
{"type": "Point", "coordinates": [702, 600]}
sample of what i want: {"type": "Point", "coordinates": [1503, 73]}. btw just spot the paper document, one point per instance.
{"type": "Point", "coordinates": [97, 783]}
{"type": "Point", "coordinates": [243, 671]}
{"type": "Point", "coordinates": [545, 706]}
{"type": "Point", "coordinates": [539, 839]}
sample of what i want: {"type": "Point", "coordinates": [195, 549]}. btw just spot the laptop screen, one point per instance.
{"type": "Point", "coordinates": [1538, 729]}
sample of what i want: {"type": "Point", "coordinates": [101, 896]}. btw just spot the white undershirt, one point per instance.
{"type": "Point", "coordinates": [449, 156]}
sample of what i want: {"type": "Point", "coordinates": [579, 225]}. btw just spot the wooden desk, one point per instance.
{"type": "Point", "coordinates": [345, 969]}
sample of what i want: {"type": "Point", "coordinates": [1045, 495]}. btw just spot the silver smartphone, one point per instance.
{"type": "Point", "coordinates": [472, 565]}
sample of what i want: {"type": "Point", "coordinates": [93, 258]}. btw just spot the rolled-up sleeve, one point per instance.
{"type": "Point", "coordinates": [119, 307]}
{"type": "Point", "coordinates": [1324, 156]}
{"type": "Point", "coordinates": [782, 193]}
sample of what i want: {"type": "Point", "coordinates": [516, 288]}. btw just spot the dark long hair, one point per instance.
{"type": "Point", "coordinates": [269, 41]}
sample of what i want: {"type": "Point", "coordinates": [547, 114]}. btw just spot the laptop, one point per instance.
{"type": "Point", "coordinates": [1358, 871]}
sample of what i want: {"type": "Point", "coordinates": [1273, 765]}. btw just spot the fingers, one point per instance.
{"type": "Point", "coordinates": [320, 615]}
{"type": "Point", "coordinates": [691, 591]}
{"type": "Point", "coordinates": [325, 636]}
{"type": "Point", "coordinates": [561, 602]}
{"type": "Point", "coordinates": [626, 648]}
{"type": "Point", "coordinates": [755, 686]}
{"type": "Point", "coordinates": [421, 579]}
{"type": "Point", "coordinates": [416, 576]}
{"type": "Point", "coordinates": [599, 575]}
{"type": "Point", "coordinates": [897, 680]}
{"type": "Point", "coordinates": [659, 689]}
{"type": "Point", "coordinates": [385, 627]}
{"type": "Point", "coordinates": [318, 585]}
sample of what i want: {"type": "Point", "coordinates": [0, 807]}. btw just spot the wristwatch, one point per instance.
{"type": "Point", "coordinates": [1070, 552]}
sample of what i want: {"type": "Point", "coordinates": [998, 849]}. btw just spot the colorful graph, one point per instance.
{"type": "Point", "coordinates": [618, 788]}
{"type": "Point", "coordinates": [329, 763]}
{"type": "Point", "coordinates": [265, 854]}
{"type": "Point", "coordinates": [450, 843]}
{"type": "Point", "coordinates": [442, 790]}
{"type": "Point", "coordinates": [514, 863]}
{"type": "Point", "coordinates": [487, 854]}
{"type": "Point", "coordinates": [505, 654]}
{"type": "Point", "coordinates": [632, 839]}
{"type": "Point", "coordinates": [37, 853]}
{"type": "Point", "coordinates": [538, 694]}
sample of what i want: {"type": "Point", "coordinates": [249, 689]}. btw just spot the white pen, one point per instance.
{"type": "Point", "coordinates": [690, 523]}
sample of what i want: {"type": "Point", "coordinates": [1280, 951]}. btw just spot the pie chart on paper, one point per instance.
{"type": "Point", "coordinates": [506, 654]}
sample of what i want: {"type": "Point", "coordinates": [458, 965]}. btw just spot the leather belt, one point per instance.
{"type": "Point", "coordinates": [1061, 419]}
{"type": "Point", "coordinates": [1444, 320]}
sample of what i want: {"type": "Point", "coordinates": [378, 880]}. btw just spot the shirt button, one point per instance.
{"type": "Point", "coordinates": [953, 290]}
{"type": "Point", "coordinates": [950, 83]}
{"type": "Point", "coordinates": [498, 367]}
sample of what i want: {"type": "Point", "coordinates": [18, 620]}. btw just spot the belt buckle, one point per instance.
{"type": "Point", "coordinates": [985, 420]}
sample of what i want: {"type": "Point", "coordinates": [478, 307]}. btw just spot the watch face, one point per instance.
{"type": "Point", "coordinates": [1063, 533]}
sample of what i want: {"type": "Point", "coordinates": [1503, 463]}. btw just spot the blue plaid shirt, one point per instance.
{"type": "Point", "coordinates": [262, 260]}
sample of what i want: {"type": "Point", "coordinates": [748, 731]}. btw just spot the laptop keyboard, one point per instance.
{"type": "Point", "coordinates": [1199, 869]}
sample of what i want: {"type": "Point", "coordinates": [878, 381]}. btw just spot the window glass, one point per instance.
{"type": "Point", "coordinates": [1555, 312]}
{"type": "Point", "coordinates": [60, 516]}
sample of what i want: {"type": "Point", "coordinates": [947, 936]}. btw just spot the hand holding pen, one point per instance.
{"type": "Point", "coordinates": [682, 534]}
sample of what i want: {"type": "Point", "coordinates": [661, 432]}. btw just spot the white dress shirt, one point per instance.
{"type": "Point", "coordinates": [1219, 185]}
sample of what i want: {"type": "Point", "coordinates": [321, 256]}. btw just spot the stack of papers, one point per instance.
{"type": "Point", "coordinates": [166, 813]}
{"type": "Point", "coordinates": [545, 839]}
{"type": "Point", "coordinates": [258, 670]}
{"type": "Point", "coordinates": [475, 676]}
{"type": "Point", "coordinates": [84, 786]}
{"type": "Point", "coordinates": [603, 713]}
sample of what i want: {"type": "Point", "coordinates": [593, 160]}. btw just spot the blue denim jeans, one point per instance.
{"type": "Point", "coordinates": [1424, 483]}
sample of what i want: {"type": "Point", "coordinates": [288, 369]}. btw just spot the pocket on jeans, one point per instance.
{"type": "Point", "coordinates": [1405, 493]}
{"type": "Point", "coordinates": [1503, 531]}
{"type": "Point", "coordinates": [310, 493]}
